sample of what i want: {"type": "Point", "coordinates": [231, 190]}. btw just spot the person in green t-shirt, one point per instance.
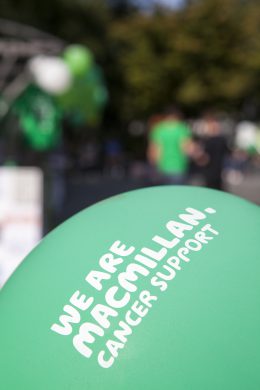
{"type": "Point", "coordinates": [168, 150]}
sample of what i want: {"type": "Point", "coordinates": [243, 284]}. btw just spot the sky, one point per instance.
{"type": "Point", "coordinates": [169, 3]}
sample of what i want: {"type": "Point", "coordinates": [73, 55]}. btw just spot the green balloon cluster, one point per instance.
{"type": "Point", "coordinates": [85, 100]}
{"type": "Point", "coordinates": [40, 107]}
{"type": "Point", "coordinates": [153, 289]}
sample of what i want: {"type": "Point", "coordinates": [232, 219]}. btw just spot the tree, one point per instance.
{"type": "Point", "coordinates": [206, 54]}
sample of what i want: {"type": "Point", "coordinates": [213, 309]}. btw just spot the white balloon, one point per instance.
{"type": "Point", "coordinates": [51, 74]}
{"type": "Point", "coordinates": [245, 135]}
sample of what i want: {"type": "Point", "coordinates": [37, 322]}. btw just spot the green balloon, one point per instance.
{"type": "Point", "coordinates": [79, 59]}
{"type": "Point", "coordinates": [153, 289]}
{"type": "Point", "coordinates": [86, 98]}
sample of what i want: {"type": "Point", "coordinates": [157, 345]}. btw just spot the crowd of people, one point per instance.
{"type": "Point", "coordinates": [217, 150]}
{"type": "Point", "coordinates": [213, 150]}
{"type": "Point", "coordinates": [174, 148]}
{"type": "Point", "coordinates": [169, 149]}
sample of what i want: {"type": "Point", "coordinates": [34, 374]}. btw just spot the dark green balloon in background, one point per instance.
{"type": "Point", "coordinates": [86, 98]}
{"type": "Point", "coordinates": [201, 333]}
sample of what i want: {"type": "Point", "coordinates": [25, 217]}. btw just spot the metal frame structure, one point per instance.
{"type": "Point", "coordinates": [19, 43]}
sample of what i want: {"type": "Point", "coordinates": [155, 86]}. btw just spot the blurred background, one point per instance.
{"type": "Point", "coordinates": [98, 97]}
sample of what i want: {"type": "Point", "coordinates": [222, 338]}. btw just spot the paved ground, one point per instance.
{"type": "Point", "coordinates": [249, 188]}
{"type": "Point", "coordinates": [85, 191]}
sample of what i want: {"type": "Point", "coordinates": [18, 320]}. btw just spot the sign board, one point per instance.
{"type": "Point", "coordinates": [20, 215]}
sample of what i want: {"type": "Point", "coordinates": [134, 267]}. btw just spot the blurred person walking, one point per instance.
{"type": "Point", "coordinates": [215, 153]}
{"type": "Point", "coordinates": [169, 148]}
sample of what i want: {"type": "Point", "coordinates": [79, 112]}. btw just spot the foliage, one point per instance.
{"type": "Point", "coordinates": [204, 55]}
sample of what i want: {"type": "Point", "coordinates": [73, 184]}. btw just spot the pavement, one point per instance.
{"type": "Point", "coordinates": [83, 191]}
{"type": "Point", "coordinates": [248, 188]}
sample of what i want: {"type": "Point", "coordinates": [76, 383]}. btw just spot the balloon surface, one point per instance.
{"type": "Point", "coordinates": [153, 289]}
{"type": "Point", "coordinates": [86, 98]}
{"type": "Point", "coordinates": [79, 59]}
{"type": "Point", "coordinates": [51, 74]}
